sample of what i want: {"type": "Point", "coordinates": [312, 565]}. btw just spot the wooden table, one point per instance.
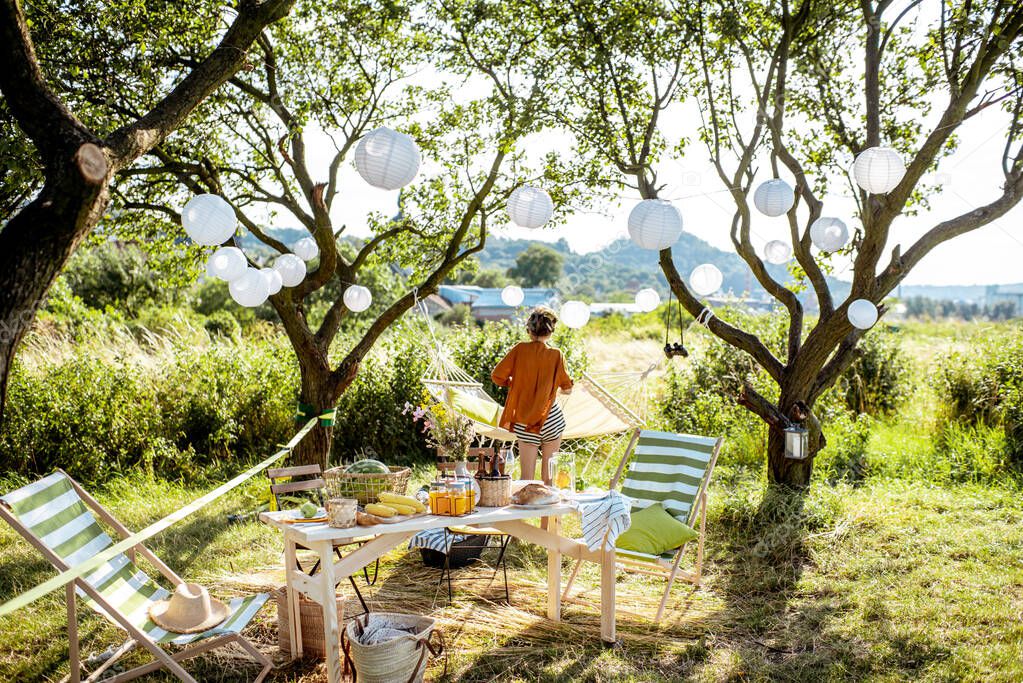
{"type": "Point", "coordinates": [321, 538]}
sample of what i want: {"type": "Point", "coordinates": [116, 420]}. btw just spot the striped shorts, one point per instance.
{"type": "Point", "coordinates": [552, 429]}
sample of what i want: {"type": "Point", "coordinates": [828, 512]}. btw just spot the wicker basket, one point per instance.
{"type": "Point", "coordinates": [312, 624]}
{"type": "Point", "coordinates": [495, 492]}
{"type": "Point", "coordinates": [366, 487]}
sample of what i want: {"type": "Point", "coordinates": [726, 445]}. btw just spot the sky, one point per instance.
{"type": "Point", "coordinates": [967, 179]}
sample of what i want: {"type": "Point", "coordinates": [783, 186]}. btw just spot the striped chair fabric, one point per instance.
{"type": "Point", "coordinates": [52, 510]}
{"type": "Point", "coordinates": [668, 469]}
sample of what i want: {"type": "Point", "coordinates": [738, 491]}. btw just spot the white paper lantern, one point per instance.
{"type": "Point", "coordinates": [387, 159]}
{"type": "Point", "coordinates": [250, 289]}
{"type": "Point", "coordinates": [357, 298]}
{"type": "Point", "coordinates": [655, 224]}
{"type": "Point", "coordinates": [227, 263]}
{"type": "Point", "coordinates": [512, 295]}
{"type": "Point", "coordinates": [828, 233]}
{"type": "Point", "coordinates": [208, 219]}
{"type": "Point", "coordinates": [530, 207]}
{"type": "Point", "coordinates": [878, 169]}
{"type": "Point", "coordinates": [774, 197]}
{"type": "Point", "coordinates": [306, 249]}
{"type": "Point", "coordinates": [291, 268]}
{"type": "Point", "coordinates": [862, 314]}
{"type": "Point", "coordinates": [647, 300]}
{"type": "Point", "coordinates": [575, 314]}
{"type": "Point", "coordinates": [273, 280]}
{"type": "Point", "coordinates": [705, 279]}
{"type": "Point", "coordinates": [777, 252]}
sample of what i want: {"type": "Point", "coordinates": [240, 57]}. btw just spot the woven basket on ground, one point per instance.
{"type": "Point", "coordinates": [366, 487]}
{"type": "Point", "coordinates": [401, 659]}
{"type": "Point", "coordinates": [312, 624]}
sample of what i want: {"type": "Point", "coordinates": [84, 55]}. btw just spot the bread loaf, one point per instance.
{"type": "Point", "coordinates": [536, 494]}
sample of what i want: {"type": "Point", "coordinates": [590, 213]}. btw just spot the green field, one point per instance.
{"type": "Point", "coordinates": [899, 575]}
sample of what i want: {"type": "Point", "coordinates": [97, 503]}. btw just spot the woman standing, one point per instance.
{"type": "Point", "coordinates": [534, 372]}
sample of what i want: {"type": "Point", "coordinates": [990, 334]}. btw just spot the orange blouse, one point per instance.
{"type": "Point", "coordinates": [534, 372]}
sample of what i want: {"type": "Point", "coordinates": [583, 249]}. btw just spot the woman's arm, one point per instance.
{"type": "Point", "coordinates": [502, 374]}
{"type": "Point", "coordinates": [561, 378]}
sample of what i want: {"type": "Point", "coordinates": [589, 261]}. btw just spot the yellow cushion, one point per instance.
{"type": "Point", "coordinates": [474, 407]}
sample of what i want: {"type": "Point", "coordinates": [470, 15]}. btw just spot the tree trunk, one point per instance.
{"type": "Point", "coordinates": [788, 472]}
{"type": "Point", "coordinates": [320, 392]}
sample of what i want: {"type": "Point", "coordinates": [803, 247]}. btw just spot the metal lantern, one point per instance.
{"type": "Point", "coordinates": [227, 263]}
{"type": "Point", "coordinates": [575, 314]}
{"type": "Point", "coordinates": [797, 443]}
{"type": "Point", "coordinates": [357, 298]}
{"type": "Point", "coordinates": [878, 170]}
{"type": "Point", "coordinates": [250, 289]}
{"type": "Point", "coordinates": [387, 159]}
{"type": "Point", "coordinates": [512, 295]}
{"type": "Point", "coordinates": [647, 300]}
{"type": "Point", "coordinates": [862, 314]}
{"type": "Point", "coordinates": [774, 197]}
{"type": "Point", "coordinates": [828, 233]}
{"type": "Point", "coordinates": [777, 252]}
{"type": "Point", "coordinates": [705, 279]}
{"type": "Point", "coordinates": [655, 224]}
{"type": "Point", "coordinates": [291, 268]}
{"type": "Point", "coordinates": [530, 207]}
{"type": "Point", "coordinates": [208, 219]}
{"type": "Point", "coordinates": [306, 249]}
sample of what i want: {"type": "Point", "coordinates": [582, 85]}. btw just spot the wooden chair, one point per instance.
{"type": "Point", "coordinates": [283, 482]}
{"type": "Point", "coordinates": [675, 471]}
{"type": "Point", "coordinates": [56, 516]}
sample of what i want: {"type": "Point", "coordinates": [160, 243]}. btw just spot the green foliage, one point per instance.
{"type": "Point", "coordinates": [115, 275]}
{"type": "Point", "coordinates": [877, 380]}
{"type": "Point", "coordinates": [537, 266]}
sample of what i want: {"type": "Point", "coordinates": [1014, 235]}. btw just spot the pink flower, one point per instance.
{"type": "Point", "coordinates": [418, 413]}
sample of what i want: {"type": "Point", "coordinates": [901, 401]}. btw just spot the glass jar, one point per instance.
{"type": "Point", "coordinates": [341, 512]}
{"type": "Point", "coordinates": [458, 497]}
{"type": "Point", "coordinates": [439, 501]}
{"type": "Point", "coordinates": [564, 471]}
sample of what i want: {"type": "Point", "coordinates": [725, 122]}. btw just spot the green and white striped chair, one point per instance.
{"type": "Point", "coordinates": [56, 516]}
{"type": "Point", "coordinates": [673, 470]}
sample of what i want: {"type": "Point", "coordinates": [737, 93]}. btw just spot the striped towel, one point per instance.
{"type": "Point", "coordinates": [435, 539]}
{"type": "Point", "coordinates": [609, 514]}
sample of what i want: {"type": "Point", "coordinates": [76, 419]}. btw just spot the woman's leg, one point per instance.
{"type": "Point", "coordinates": [548, 449]}
{"type": "Point", "coordinates": [527, 459]}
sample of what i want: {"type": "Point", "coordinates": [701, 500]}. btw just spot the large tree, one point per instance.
{"type": "Point", "coordinates": [309, 88]}
{"type": "Point", "coordinates": [800, 88]}
{"type": "Point", "coordinates": [68, 129]}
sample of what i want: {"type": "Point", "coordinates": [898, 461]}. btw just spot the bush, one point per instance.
{"type": "Point", "coordinates": [877, 381]}
{"type": "Point", "coordinates": [223, 324]}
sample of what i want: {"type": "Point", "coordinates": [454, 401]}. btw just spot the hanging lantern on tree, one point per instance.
{"type": "Point", "coordinates": [797, 442]}
{"type": "Point", "coordinates": [512, 295]}
{"type": "Point", "coordinates": [655, 224]}
{"type": "Point", "coordinates": [705, 279]}
{"type": "Point", "coordinates": [273, 280]}
{"type": "Point", "coordinates": [575, 314]}
{"type": "Point", "coordinates": [828, 233]}
{"type": "Point", "coordinates": [647, 300]}
{"type": "Point", "coordinates": [878, 170]}
{"type": "Point", "coordinates": [387, 159]}
{"type": "Point", "coordinates": [250, 289]}
{"type": "Point", "coordinates": [306, 249]}
{"type": "Point", "coordinates": [862, 314]}
{"type": "Point", "coordinates": [227, 263]}
{"type": "Point", "coordinates": [291, 268]}
{"type": "Point", "coordinates": [530, 207]}
{"type": "Point", "coordinates": [774, 197]}
{"type": "Point", "coordinates": [777, 252]}
{"type": "Point", "coordinates": [208, 219]}
{"type": "Point", "coordinates": [357, 298]}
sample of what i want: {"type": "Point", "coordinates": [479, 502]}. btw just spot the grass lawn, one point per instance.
{"type": "Point", "coordinates": [893, 580]}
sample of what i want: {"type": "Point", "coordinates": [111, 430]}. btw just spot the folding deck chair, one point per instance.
{"type": "Point", "coordinates": [673, 470]}
{"type": "Point", "coordinates": [55, 515]}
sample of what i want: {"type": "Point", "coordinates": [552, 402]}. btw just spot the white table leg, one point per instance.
{"type": "Point", "coordinates": [294, 613]}
{"type": "Point", "coordinates": [331, 627]}
{"type": "Point", "coordinates": [607, 598]}
{"type": "Point", "coordinates": [554, 573]}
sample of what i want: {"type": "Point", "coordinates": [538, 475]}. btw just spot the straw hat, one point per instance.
{"type": "Point", "coordinates": [189, 610]}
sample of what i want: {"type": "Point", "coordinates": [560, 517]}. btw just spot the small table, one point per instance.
{"type": "Point", "coordinates": [321, 538]}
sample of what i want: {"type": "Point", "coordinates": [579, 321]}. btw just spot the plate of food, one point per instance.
{"type": "Point", "coordinates": [390, 508]}
{"type": "Point", "coordinates": [309, 513]}
{"type": "Point", "coordinates": [534, 496]}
